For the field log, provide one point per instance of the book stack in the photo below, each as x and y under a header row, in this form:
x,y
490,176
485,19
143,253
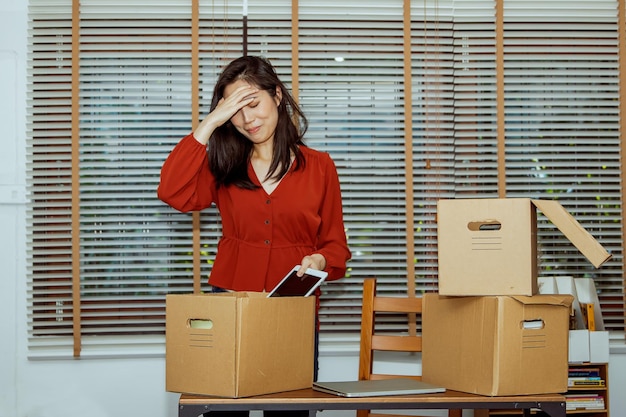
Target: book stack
x,y
584,402
584,377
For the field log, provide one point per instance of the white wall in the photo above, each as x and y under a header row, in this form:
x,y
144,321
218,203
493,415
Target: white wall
x,y
12,89
95,388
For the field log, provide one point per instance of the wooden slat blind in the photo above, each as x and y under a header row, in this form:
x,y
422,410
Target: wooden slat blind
x,y
414,100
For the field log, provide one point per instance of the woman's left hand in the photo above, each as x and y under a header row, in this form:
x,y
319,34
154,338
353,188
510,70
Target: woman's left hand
x,y
314,261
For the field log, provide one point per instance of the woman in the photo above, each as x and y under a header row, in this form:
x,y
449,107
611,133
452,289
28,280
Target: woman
x,y
279,200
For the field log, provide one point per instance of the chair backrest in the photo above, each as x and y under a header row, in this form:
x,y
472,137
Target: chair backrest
x,y
372,342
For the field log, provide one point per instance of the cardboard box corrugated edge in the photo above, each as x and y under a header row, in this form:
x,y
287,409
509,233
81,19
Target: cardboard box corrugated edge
x,y
573,230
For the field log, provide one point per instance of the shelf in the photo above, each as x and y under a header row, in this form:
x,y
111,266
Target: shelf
x,y
603,391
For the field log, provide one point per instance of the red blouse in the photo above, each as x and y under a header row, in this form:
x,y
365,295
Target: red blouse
x,y
263,236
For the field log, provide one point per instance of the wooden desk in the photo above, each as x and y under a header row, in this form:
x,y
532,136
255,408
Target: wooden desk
x,y
308,399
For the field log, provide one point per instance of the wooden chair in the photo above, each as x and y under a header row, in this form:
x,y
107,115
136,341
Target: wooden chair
x,y
371,342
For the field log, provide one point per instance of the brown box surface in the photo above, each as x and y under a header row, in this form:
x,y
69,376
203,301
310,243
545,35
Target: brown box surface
x,y
488,246
496,345
239,344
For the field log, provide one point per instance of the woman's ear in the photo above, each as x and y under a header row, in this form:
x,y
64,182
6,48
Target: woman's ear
x,y
278,97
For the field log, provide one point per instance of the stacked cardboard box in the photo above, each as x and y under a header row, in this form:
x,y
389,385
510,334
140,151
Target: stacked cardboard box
x,y
488,331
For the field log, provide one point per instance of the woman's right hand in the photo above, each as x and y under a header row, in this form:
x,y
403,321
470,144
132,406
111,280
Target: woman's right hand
x,y
226,108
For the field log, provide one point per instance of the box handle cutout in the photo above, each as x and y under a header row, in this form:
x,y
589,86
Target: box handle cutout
x,y
533,324
478,226
205,324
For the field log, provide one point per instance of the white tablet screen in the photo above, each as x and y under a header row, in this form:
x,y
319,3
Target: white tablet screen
x,y
293,285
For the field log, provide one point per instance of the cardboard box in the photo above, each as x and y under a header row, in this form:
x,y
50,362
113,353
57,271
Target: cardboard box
x,y
239,344
496,345
489,246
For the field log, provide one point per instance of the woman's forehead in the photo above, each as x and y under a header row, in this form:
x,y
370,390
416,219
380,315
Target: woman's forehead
x,y
228,90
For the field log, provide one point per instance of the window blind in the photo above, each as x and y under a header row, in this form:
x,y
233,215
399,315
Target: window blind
x,y
352,90
432,113
563,132
134,88
561,129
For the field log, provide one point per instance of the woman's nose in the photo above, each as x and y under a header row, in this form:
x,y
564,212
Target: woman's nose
x,y
247,114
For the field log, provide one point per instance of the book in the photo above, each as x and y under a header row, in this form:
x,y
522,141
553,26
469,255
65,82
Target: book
x,y
585,382
586,401
584,406
584,372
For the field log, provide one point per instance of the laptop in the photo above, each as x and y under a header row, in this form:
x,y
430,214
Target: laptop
x,y
378,387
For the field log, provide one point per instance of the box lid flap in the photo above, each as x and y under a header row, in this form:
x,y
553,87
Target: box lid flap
x,y
573,230
551,299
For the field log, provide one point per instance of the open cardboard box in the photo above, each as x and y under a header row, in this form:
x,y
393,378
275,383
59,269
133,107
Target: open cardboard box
x,y
489,246
496,345
238,344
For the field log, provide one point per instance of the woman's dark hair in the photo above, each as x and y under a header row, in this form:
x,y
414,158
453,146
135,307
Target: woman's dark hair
x,y
230,151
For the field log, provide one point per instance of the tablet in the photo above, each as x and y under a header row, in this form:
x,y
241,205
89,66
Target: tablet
x,y
294,286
